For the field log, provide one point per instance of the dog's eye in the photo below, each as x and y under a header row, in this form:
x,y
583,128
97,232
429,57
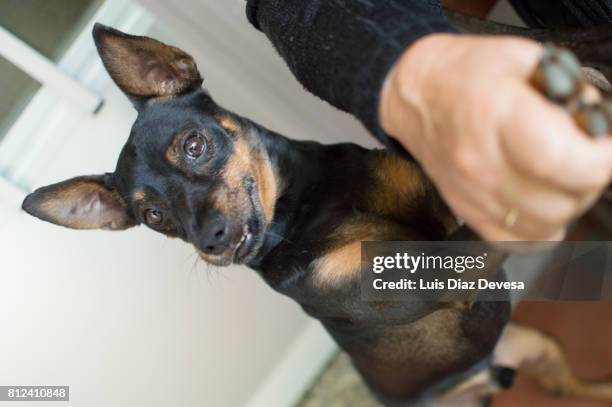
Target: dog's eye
x,y
153,217
195,146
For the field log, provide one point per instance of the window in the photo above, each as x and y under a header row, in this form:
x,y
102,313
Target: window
x,y
17,90
48,26
50,72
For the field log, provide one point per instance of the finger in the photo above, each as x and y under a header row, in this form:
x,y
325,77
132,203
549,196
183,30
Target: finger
x,y
495,233
466,197
541,140
480,211
489,195
520,55
485,212
541,210
586,201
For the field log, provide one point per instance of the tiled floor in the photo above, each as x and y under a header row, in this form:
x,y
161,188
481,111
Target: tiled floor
x,y
339,386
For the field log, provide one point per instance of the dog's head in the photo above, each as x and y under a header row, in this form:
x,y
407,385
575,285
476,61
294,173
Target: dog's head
x,y
189,169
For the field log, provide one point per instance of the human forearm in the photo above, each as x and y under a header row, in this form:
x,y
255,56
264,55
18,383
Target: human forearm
x,y
342,50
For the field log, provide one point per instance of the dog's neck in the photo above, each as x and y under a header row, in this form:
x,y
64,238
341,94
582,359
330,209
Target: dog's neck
x,y
322,188
305,171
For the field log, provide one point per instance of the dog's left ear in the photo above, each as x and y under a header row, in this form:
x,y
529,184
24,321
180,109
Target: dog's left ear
x,y
89,202
145,68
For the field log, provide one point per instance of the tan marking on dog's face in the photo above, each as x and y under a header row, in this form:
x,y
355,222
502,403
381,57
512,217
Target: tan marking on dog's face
x,y
232,198
215,260
174,150
245,161
267,186
239,165
229,124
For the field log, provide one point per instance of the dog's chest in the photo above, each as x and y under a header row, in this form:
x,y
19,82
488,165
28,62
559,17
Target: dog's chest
x,y
318,264
325,278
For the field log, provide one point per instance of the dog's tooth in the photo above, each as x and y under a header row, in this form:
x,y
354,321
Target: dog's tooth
x,y
242,239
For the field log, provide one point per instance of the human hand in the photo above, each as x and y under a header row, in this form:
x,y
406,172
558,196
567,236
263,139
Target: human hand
x,y
508,162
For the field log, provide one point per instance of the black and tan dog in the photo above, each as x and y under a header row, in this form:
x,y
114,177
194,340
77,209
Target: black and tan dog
x,y
294,211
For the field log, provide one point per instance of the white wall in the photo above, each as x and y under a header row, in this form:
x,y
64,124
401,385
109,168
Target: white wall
x,y
130,318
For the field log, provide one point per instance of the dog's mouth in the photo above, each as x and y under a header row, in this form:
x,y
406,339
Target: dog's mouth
x,y
252,237
248,244
244,249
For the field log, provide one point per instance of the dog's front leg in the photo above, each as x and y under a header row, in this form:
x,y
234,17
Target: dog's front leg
x,y
541,357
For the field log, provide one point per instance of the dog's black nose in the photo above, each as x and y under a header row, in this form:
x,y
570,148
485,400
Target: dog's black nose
x,y
214,238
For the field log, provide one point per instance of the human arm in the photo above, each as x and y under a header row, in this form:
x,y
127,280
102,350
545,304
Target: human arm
x,y
508,162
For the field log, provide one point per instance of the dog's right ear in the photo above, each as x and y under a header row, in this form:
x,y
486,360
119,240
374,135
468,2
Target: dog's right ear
x,y
89,202
145,68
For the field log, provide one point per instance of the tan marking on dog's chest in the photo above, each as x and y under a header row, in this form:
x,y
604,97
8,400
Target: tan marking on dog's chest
x,y
392,202
338,266
398,185
402,191
341,264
